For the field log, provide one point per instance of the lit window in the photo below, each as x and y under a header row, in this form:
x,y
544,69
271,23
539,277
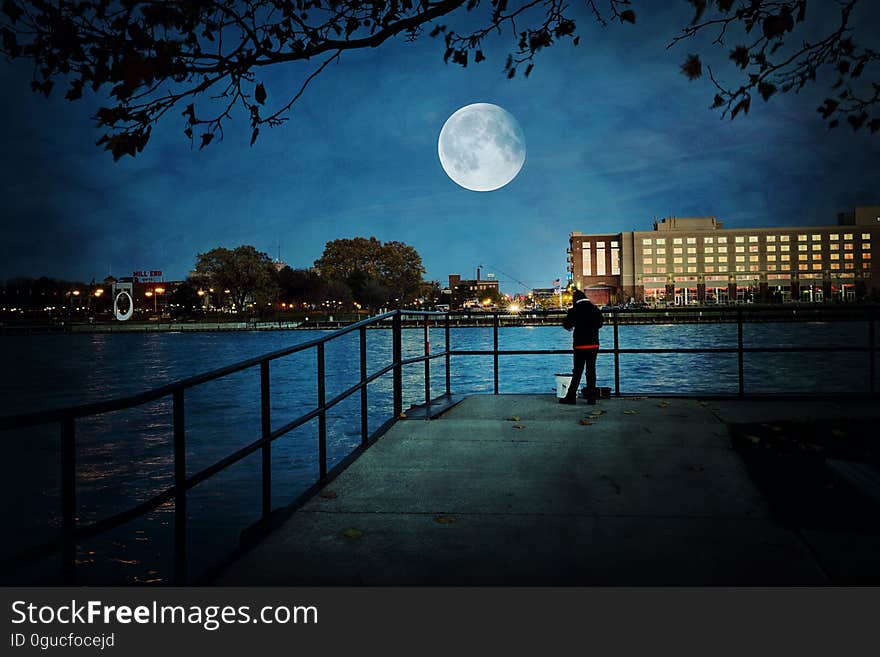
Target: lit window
x,y
866,236
771,238
648,261
833,237
754,268
740,267
771,248
848,265
661,261
661,251
771,267
847,236
817,247
803,267
676,240
802,238
692,249
708,240
866,246
785,247
817,256
679,270
647,241
722,249
817,265
815,238
835,247
866,256
753,238
785,257
741,258
722,258
614,245
783,238
740,249
835,265
848,246
692,240
771,258
709,249
692,270
866,265
722,240
677,261
835,256
847,256
710,268
802,247
753,258
710,258
649,270
739,238
753,248
660,241
646,251
677,250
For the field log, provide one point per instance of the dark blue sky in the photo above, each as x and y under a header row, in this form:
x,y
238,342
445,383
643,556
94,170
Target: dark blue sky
x,y
615,137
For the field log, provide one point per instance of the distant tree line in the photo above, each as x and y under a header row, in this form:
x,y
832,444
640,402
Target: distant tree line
x,y
351,274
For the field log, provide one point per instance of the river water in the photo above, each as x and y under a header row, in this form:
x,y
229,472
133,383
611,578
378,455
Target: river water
x,y
126,457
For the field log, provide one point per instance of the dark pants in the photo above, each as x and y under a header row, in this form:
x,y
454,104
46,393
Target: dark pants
x,y
583,358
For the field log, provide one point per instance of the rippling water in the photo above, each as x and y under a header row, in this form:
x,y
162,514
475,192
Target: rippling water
x,y
125,457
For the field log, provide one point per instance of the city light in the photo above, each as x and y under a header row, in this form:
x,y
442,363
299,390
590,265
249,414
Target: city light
x,y
513,308
148,293
76,293
99,292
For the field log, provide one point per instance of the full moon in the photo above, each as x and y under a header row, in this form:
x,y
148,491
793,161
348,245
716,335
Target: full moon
x,y
481,147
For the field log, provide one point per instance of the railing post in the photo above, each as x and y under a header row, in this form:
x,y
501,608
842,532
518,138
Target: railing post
x,y
68,500
322,415
872,354
180,557
427,338
397,355
616,357
265,411
739,351
495,349
448,368
364,428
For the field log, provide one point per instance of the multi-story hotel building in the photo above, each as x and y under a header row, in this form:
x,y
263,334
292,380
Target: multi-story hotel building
x,y
686,260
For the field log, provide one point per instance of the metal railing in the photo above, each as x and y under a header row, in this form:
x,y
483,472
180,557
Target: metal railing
x,y
72,532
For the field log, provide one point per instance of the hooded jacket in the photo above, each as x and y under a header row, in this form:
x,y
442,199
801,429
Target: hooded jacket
x,y
586,320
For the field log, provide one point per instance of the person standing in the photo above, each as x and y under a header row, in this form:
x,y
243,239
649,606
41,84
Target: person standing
x,y
586,320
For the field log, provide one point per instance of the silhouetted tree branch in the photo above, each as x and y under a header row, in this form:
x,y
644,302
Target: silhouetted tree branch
x,y
773,60
205,58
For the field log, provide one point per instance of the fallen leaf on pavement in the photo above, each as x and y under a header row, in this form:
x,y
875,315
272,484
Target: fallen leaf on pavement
x,y
445,520
586,422
630,412
351,532
519,426
329,495
513,418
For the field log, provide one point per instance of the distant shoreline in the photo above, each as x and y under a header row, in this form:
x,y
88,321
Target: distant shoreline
x,y
688,315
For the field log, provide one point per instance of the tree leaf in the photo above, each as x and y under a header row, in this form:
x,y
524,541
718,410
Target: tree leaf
x,y
628,16
692,67
206,139
260,94
254,135
766,90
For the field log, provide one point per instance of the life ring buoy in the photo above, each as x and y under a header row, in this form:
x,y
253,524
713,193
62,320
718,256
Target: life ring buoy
x,y
129,312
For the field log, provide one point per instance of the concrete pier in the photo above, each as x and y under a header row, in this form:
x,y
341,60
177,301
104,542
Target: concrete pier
x,y
520,490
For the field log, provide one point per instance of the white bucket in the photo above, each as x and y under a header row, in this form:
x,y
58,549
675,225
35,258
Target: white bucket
x,y
562,382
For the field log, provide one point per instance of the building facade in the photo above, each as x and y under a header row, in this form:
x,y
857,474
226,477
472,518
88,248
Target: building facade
x,y
690,260
471,291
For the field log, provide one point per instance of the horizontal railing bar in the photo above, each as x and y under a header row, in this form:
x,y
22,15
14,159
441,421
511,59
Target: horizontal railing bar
x,y
683,350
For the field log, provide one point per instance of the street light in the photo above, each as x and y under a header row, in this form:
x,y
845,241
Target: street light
x,y
157,291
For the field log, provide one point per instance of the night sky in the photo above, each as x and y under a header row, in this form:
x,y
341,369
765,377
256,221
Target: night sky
x,y
615,137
